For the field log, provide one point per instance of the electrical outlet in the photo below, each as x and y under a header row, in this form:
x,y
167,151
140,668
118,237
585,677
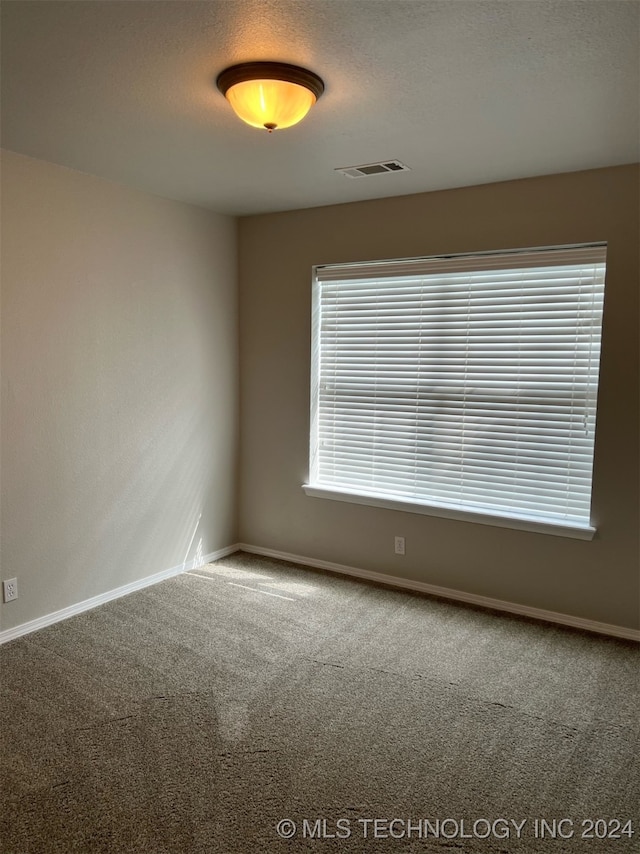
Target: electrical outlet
x,y
10,589
399,545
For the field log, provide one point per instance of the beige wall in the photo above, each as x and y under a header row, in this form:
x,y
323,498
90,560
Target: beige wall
x,y
596,580
120,378
119,385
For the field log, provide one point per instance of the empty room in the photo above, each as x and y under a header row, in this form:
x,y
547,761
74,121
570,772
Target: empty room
x,y
320,426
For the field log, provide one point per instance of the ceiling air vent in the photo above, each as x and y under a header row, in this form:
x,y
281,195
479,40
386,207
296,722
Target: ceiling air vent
x,y
373,169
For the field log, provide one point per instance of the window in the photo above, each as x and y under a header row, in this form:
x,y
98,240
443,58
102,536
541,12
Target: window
x,y
460,386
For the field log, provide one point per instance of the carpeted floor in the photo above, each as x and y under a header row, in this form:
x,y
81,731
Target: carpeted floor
x,y
195,715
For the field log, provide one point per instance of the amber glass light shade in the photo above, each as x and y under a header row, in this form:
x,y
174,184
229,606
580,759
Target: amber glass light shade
x,y
270,103
270,95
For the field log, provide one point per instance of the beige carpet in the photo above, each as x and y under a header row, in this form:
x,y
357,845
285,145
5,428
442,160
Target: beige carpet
x,y
196,715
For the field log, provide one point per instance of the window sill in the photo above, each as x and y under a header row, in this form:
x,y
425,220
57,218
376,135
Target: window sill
x,y
445,512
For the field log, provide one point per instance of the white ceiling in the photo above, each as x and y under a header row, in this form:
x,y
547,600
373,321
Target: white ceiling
x,y
462,91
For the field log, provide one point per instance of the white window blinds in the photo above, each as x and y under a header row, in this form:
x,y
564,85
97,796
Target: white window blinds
x,y
464,383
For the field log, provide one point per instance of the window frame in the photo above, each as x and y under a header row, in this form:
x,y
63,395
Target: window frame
x,y
519,521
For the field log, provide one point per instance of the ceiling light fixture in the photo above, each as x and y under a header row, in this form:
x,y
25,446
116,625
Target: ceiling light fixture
x,y
271,95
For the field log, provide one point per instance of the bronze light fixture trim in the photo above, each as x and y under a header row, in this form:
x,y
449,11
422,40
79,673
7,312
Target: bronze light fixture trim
x,y
271,95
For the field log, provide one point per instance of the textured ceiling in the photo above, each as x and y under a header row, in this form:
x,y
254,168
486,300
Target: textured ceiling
x,y
462,91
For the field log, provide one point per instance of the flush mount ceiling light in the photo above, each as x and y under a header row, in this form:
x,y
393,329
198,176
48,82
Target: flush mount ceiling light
x,y
271,95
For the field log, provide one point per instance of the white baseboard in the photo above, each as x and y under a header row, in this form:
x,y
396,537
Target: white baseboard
x,y
448,593
378,577
72,610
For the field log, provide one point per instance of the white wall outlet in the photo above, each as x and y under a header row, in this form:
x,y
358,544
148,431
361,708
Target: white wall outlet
x,y
399,545
10,589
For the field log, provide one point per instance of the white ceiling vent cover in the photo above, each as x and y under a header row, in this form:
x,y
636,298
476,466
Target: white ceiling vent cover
x,y
368,169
